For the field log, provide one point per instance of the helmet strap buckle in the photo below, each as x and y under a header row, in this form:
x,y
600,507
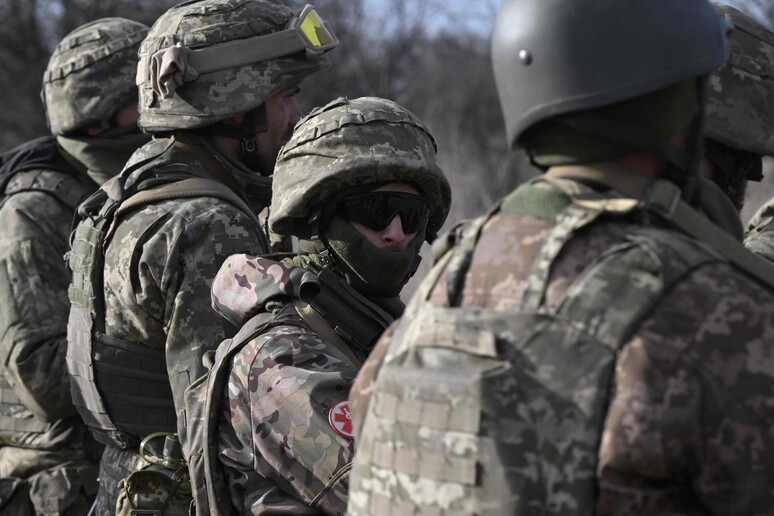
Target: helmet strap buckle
x,y
248,143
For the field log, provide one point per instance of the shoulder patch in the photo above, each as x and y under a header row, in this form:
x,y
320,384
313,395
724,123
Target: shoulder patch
x,y
340,419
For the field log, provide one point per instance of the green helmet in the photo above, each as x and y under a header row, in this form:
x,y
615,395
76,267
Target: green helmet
x,y
91,74
554,57
205,60
350,143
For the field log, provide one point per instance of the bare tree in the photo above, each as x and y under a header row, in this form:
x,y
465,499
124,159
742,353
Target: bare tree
x,y
29,32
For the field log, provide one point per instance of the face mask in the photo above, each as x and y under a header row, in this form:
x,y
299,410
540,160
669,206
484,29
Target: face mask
x,y
372,270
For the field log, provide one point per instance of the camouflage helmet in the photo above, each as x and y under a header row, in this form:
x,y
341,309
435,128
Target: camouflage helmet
x,y
740,106
91,74
553,57
350,143
196,67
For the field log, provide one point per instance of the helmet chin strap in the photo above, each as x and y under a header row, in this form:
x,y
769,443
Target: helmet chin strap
x,y
253,122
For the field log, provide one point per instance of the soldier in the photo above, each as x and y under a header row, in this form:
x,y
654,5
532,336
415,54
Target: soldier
x,y
740,116
47,457
593,344
745,116
217,84
358,178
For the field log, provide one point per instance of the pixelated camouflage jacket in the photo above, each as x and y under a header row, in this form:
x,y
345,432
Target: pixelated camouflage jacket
x,y
688,428
161,259
760,232
36,213
280,452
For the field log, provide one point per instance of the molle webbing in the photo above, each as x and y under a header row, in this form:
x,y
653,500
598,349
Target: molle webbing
x,y
134,384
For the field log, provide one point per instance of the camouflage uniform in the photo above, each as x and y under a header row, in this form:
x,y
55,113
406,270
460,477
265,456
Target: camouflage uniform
x,y
582,348
43,441
284,440
160,257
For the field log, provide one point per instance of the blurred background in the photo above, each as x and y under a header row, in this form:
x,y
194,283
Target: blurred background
x,y
431,56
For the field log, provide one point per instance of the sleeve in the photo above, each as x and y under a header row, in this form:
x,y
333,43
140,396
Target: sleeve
x,y
690,423
33,303
287,445
192,326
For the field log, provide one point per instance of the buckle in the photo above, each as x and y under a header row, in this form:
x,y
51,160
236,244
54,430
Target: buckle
x,y
662,197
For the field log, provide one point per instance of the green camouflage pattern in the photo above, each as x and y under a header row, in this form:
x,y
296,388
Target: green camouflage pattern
x,y
213,96
277,448
155,487
58,487
33,295
91,74
740,110
349,143
160,262
468,415
43,444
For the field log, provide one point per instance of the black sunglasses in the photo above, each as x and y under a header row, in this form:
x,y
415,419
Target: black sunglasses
x,y
375,210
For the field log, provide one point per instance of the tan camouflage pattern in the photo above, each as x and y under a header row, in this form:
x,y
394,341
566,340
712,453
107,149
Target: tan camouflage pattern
x,y
91,73
217,95
688,427
740,111
41,439
159,265
349,143
279,452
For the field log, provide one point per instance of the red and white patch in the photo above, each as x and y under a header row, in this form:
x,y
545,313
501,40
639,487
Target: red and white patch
x,y
340,419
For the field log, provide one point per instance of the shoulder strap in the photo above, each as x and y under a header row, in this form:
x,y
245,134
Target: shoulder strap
x,y
62,187
321,327
188,188
664,199
185,189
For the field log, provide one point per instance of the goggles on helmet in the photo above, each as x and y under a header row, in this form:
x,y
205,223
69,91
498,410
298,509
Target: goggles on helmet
x,y
375,210
306,32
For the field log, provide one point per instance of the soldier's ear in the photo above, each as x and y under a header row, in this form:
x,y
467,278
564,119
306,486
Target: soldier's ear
x,y
97,128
